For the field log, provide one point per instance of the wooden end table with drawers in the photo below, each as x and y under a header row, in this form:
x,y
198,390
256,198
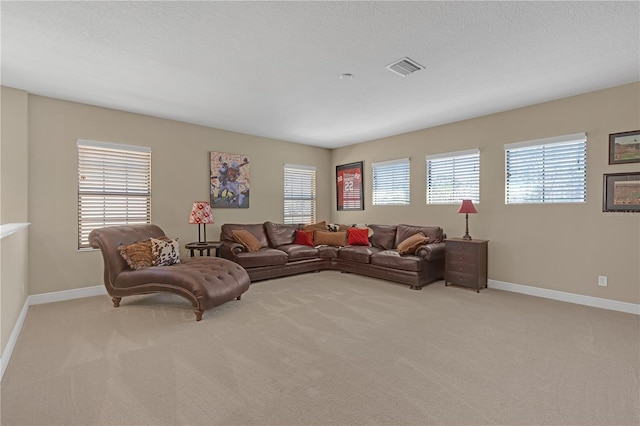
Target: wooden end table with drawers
x,y
466,263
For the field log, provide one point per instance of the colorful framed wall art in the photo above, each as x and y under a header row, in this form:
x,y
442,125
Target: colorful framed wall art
x,y
229,180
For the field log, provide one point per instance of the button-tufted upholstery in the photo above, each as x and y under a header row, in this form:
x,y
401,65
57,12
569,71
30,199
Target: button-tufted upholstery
x,y
204,281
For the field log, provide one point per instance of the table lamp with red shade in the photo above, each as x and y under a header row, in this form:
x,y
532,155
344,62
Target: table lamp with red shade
x,y
467,207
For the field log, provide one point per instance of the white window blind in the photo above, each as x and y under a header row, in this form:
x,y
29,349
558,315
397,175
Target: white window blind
x,y
552,170
114,186
299,194
453,177
391,182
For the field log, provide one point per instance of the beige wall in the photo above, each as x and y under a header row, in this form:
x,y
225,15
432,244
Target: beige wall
x,y
180,170
560,247
14,207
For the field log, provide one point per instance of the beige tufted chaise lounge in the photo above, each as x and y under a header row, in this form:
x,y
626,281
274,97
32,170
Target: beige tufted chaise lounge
x,y
204,281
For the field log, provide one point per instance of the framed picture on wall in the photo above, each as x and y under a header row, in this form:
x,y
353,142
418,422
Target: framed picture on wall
x,y
349,187
621,192
229,180
624,147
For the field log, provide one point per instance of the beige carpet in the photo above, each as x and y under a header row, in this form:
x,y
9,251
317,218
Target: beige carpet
x,y
326,348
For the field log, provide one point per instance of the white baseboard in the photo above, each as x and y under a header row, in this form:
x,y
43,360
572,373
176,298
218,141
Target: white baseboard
x,y
59,296
614,305
38,299
8,350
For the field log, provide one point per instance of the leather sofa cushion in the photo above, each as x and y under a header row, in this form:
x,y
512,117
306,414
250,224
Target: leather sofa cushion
x,y
262,257
257,229
360,254
299,252
280,234
384,236
194,274
434,233
393,259
328,252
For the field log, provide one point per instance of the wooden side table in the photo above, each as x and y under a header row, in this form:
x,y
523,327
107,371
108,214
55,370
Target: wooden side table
x,y
466,263
201,247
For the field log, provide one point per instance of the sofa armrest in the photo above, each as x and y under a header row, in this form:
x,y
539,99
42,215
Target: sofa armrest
x,y
431,251
230,249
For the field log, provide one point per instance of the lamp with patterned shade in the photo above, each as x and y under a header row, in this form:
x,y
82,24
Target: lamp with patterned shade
x,y
467,207
201,214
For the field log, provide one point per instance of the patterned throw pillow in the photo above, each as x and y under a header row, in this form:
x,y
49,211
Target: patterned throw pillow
x,y
138,255
411,244
247,239
165,253
304,238
358,236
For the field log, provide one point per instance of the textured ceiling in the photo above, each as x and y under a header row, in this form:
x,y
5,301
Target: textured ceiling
x,y
271,68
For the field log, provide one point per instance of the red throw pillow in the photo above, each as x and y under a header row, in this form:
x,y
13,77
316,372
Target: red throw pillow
x,y
304,237
358,236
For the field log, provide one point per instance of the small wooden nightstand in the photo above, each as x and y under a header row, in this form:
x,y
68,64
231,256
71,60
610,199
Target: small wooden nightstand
x,y
201,247
466,263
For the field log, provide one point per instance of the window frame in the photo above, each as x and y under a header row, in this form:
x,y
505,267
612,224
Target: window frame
x,y
287,218
405,198
107,172
458,191
553,156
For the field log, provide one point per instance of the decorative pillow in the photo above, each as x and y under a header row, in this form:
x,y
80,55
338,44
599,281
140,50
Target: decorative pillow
x,y
304,238
329,238
363,226
165,253
316,226
334,227
358,237
138,255
247,239
410,245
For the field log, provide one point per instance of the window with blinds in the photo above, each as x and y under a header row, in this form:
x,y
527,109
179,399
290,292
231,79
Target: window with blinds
x,y
453,177
299,194
552,170
114,186
391,182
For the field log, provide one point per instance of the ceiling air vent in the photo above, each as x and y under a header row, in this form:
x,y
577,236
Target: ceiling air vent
x,y
404,67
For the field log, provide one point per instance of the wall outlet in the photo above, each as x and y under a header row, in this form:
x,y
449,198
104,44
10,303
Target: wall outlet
x,y
602,281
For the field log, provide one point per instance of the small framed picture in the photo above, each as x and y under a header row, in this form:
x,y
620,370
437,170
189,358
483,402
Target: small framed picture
x,y
624,147
621,192
349,191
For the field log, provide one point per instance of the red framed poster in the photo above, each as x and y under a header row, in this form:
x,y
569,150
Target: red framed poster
x,y
349,186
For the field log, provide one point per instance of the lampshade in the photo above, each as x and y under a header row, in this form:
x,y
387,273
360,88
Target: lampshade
x,y
467,207
201,213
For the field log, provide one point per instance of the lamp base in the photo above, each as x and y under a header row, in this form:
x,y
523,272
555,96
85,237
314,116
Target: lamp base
x,y
466,228
204,226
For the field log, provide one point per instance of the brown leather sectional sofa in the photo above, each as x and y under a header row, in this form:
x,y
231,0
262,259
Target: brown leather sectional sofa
x,y
280,256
